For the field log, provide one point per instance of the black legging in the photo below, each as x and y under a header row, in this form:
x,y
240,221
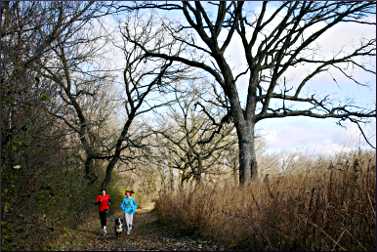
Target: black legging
x,y
103,218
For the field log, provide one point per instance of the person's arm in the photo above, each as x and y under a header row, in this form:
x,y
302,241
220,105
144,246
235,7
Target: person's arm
x,y
135,205
122,205
98,201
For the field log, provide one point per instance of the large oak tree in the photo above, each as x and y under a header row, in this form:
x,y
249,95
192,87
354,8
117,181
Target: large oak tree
x,y
276,39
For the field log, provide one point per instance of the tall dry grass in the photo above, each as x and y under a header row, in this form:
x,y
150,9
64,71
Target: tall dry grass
x,y
329,207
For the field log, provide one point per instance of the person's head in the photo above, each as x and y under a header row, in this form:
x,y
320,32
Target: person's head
x,y
129,193
103,192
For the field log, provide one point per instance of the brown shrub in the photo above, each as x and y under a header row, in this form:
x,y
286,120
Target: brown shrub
x,y
329,207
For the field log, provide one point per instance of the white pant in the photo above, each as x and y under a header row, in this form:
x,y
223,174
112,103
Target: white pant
x,y
129,218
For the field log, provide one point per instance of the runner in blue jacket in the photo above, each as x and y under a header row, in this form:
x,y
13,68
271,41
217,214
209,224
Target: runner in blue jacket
x,y
128,206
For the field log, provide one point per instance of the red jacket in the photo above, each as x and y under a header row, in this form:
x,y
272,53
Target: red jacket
x,y
103,202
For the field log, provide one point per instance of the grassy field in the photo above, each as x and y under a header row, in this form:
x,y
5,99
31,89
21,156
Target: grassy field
x,y
329,206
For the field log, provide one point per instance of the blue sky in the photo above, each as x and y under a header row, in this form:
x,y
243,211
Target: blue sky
x,y
302,134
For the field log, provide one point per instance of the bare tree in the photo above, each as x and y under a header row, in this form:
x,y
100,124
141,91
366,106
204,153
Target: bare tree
x,y
26,33
82,87
33,144
185,130
142,77
30,32
273,44
81,103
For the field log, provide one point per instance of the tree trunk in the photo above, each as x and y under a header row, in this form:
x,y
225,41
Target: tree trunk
x,y
235,172
198,172
171,177
118,150
108,175
247,156
181,183
90,174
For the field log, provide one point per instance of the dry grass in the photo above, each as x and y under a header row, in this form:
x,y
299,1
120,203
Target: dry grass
x,y
330,207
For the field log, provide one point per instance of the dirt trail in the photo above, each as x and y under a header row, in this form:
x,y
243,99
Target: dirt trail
x,y
148,235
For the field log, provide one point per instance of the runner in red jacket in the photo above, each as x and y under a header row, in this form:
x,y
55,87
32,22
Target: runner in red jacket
x,y
103,201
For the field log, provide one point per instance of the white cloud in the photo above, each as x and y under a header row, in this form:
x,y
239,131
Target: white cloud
x,y
312,136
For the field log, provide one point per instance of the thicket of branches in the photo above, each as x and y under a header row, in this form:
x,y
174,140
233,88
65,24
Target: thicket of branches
x,y
69,121
274,41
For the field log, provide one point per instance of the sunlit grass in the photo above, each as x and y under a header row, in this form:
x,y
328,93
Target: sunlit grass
x,y
331,206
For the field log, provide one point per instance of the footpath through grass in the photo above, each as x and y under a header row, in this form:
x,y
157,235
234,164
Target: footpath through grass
x,y
148,234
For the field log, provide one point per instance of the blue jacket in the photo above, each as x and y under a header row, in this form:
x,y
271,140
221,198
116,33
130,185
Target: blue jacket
x,y
128,205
